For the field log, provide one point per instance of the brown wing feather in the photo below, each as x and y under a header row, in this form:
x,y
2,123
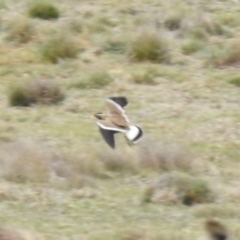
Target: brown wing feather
x,y
115,116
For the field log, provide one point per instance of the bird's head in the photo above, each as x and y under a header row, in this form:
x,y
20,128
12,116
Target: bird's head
x,y
99,115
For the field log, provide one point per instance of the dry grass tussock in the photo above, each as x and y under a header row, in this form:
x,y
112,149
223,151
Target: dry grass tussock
x,y
35,92
19,29
179,188
146,76
150,46
164,157
225,54
61,45
7,234
43,9
24,161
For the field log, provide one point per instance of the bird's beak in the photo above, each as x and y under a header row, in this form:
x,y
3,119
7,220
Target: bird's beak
x,y
91,117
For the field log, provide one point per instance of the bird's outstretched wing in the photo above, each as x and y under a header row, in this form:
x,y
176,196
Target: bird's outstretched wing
x,y
116,111
108,136
122,101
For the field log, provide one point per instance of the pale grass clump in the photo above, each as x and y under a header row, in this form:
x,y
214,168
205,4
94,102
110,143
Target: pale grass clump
x,y
235,80
114,44
97,79
100,24
164,157
174,20
35,92
202,27
23,161
10,234
150,46
179,188
191,45
77,168
43,9
225,54
146,76
19,29
60,46
115,161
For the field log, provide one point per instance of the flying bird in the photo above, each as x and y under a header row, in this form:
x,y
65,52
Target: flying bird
x,y
115,120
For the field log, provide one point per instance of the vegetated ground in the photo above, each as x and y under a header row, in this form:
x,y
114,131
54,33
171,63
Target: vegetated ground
x,y
58,177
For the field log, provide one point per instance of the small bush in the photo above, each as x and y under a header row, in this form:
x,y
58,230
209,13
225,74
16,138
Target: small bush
x,y
59,46
224,54
44,10
40,91
117,162
19,29
75,25
191,46
165,157
25,161
98,79
149,46
173,22
22,162
145,77
114,45
235,81
182,188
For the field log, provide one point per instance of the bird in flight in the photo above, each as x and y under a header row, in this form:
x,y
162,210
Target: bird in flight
x,y
115,120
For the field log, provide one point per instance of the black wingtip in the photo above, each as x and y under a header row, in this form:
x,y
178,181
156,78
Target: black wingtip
x,y
108,136
122,101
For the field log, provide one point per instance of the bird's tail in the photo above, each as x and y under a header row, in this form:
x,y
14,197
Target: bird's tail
x,y
134,134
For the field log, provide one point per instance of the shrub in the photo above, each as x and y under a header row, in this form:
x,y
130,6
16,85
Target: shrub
x,y
39,91
224,54
145,77
181,188
165,157
149,46
44,10
59,46
116,161
22,161
173,21
114,45
19,29
191,46
235,81
25,161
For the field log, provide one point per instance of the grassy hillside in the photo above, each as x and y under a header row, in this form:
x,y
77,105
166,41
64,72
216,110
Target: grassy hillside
x,y
178,64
